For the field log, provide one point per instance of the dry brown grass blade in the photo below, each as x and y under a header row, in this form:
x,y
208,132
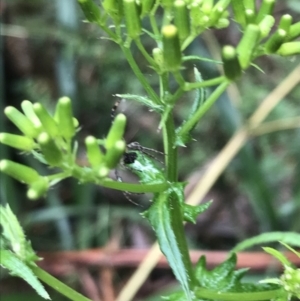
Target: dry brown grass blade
x,y
217,167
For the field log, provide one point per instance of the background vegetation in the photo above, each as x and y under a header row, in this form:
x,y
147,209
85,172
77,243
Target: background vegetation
x,y
48,52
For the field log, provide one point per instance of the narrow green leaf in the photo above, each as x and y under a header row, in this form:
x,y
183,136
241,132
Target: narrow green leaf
x,y
291,238
165,216
18,268
142,99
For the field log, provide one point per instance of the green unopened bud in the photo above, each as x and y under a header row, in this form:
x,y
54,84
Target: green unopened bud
x,y
116,131
275,41
19,172
181,19
114,154
158,56
290,48
171,48
207,6
65,117
250,16
294,32
266,25
21,122
38,189
249,4
222,23
232,68
266,8
247,45
114,8
216,14
239,12
132,18
50,150
198,19
103,172
48,122
94,154
20,142
91,10
285,22
147,5
27,108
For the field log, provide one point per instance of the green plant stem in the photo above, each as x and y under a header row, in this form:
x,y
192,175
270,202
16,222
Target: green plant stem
x,y
206,83
58,285
135,68
251,296
186,128
170,149
135,188
146,55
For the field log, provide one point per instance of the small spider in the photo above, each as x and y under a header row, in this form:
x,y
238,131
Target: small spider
x,y
131,155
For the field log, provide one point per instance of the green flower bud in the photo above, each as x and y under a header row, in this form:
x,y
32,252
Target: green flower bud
x,y
250,16
21,122
20,142
294,32
216,14
239,12
285,22
181,19
65,117
27,108
266,25
132,18
198,18
249,4
50,150
266,8
290,48
232,68
103,172
207,6
48,122
171,48
158,56
38,189
247,45
114,8
114,154
147,6
94,154
91,10
116,131
19,172
222,23
275,41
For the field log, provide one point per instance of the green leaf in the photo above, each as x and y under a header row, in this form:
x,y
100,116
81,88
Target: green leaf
x,y
165,216
291,238
224,278
190,212
13,236
18,268
12,231
277,255
198,100
144,100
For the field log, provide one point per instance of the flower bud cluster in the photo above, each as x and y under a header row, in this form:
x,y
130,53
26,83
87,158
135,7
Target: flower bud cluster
x,y
50,138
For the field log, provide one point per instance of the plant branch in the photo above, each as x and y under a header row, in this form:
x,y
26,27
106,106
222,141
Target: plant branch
x,y
186,128
58,285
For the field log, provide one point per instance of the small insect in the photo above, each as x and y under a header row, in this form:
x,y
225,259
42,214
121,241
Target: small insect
x,y
137,160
